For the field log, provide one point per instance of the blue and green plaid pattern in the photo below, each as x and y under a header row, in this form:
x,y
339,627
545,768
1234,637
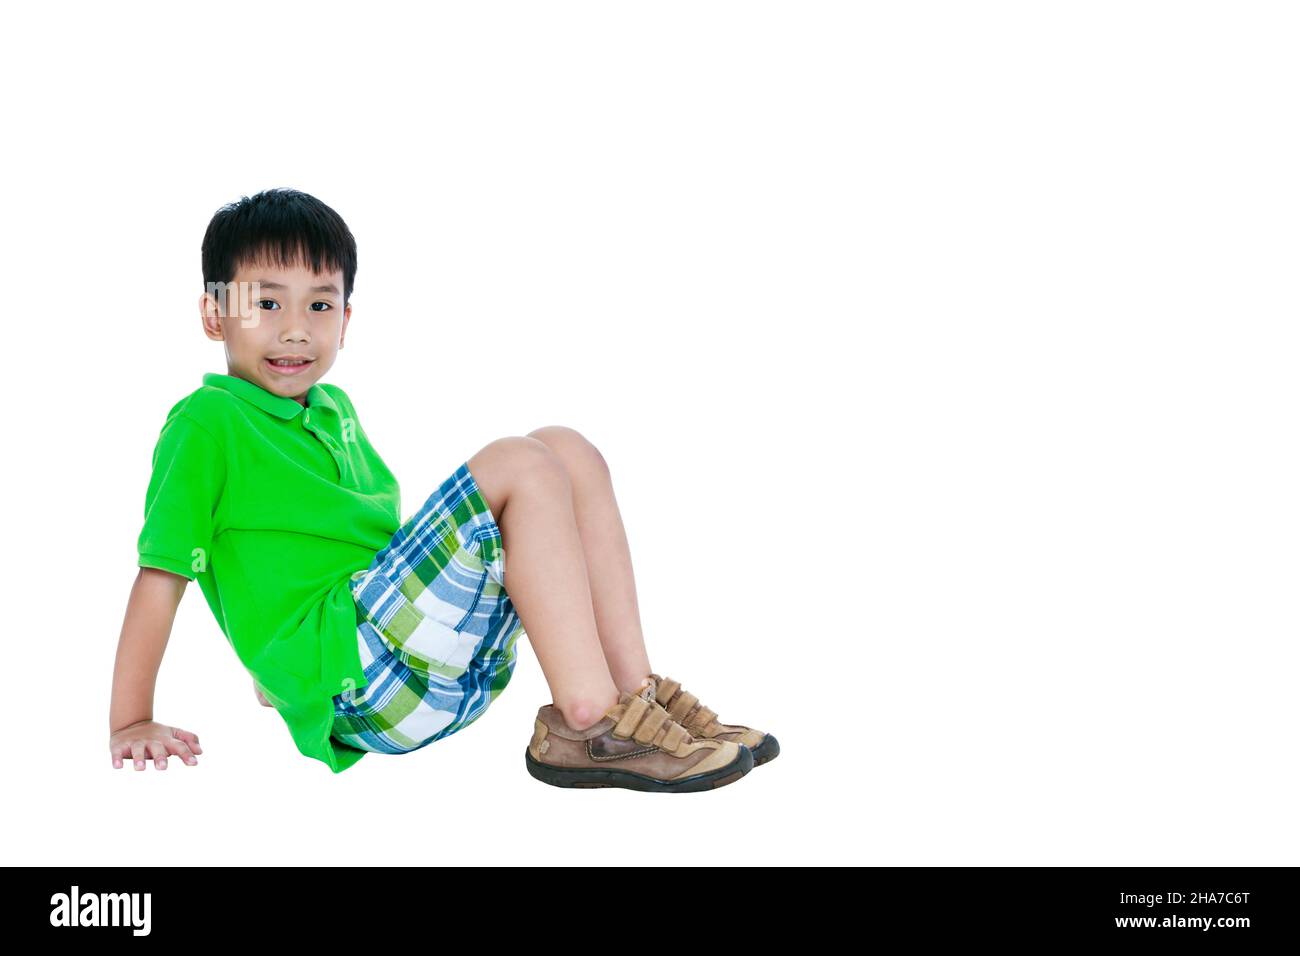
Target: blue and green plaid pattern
x,y
435,626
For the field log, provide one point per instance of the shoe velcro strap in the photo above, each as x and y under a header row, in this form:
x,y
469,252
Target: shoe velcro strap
x,y
673,738
649,723
647,730
682,706
636,708
667,687
686,709
702,720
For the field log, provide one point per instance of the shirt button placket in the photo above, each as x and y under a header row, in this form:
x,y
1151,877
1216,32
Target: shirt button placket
x,y
330,445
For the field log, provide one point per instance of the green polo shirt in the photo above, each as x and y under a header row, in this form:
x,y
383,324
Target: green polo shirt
x,y
272,507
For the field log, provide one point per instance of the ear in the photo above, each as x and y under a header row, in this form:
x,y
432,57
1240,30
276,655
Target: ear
x,y
347,316
210,315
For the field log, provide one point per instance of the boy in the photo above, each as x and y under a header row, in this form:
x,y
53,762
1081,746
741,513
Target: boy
x,y
365,633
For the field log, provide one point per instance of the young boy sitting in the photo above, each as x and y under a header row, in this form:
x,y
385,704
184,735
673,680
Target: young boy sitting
x,y
365,633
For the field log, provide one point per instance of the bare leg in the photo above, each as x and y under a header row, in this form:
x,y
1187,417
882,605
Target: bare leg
x,y
530,494
609,560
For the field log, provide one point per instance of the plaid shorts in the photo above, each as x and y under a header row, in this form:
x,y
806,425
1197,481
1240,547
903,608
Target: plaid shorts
x,y
435,626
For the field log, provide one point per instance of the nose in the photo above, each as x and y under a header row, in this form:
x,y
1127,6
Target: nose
x,y
295,329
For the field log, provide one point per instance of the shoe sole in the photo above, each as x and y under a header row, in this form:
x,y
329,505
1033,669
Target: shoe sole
x,y
767,750
579,778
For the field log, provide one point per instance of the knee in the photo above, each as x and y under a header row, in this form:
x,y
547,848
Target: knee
x,y
504,466
571,444
534,462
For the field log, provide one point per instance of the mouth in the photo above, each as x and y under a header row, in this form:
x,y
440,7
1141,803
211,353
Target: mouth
x,y
291,365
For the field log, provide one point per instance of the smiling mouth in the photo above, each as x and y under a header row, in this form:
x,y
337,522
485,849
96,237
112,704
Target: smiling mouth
x,y
288,366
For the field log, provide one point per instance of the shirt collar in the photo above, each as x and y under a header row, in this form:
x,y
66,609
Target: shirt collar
x,y
278,405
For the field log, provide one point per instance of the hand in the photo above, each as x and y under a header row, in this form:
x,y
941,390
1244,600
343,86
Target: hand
x,y
147,739
260,699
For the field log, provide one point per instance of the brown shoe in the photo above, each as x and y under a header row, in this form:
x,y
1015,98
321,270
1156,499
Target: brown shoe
x,y
702,723
636,745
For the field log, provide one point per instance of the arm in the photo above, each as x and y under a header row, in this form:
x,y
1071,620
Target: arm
x,y
150,613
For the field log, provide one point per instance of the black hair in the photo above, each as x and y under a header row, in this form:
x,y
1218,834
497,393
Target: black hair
x,y
283,226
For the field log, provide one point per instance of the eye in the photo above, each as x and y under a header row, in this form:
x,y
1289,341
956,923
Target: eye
x,y
326,304
273,304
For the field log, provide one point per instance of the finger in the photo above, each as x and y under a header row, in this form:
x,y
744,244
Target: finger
x,y
117,756
158,750
137,753
181,750
190,738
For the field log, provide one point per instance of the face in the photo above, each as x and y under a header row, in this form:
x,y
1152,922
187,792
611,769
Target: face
x,y
291,314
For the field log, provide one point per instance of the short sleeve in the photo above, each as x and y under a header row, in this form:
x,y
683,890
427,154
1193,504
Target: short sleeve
x,y
189,473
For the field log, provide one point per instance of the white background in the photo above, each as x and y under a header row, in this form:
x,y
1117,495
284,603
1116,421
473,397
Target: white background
x,y
943,353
